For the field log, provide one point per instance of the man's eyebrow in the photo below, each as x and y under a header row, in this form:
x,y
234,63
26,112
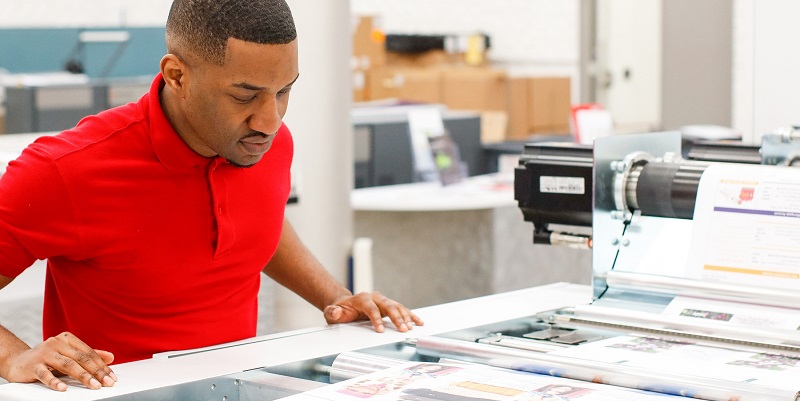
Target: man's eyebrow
x,y
251,87
293,81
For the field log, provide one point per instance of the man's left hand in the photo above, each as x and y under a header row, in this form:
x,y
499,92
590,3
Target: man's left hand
x,y
373,306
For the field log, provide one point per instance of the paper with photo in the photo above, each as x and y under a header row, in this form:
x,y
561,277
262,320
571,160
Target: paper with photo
x,y
735,313
417,381
774,370
746,226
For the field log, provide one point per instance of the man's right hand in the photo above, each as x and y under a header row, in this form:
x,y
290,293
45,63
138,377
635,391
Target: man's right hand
x,y
64,354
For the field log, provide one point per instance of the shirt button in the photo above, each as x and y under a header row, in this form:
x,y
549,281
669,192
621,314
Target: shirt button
x,y
220,210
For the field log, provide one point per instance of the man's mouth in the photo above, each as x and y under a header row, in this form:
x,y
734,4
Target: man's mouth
x,y
257,144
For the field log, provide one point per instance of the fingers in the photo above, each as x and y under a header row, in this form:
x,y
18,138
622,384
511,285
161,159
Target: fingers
x,y
394,311
407,319
333,313
401,316
372,306
47,378
106,356
71,356
416,319
371,310
107,359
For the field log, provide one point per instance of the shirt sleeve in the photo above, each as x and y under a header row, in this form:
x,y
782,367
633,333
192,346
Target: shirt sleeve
x,y
36,212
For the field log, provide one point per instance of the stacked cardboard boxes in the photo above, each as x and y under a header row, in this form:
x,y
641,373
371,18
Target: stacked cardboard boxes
x,y
538,105
368,55
512,108
405,83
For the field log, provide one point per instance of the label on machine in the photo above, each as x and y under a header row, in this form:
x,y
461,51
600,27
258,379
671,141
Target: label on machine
x,y
562,185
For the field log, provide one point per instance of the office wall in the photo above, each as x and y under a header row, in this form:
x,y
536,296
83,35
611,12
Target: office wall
x,y
319,116
529,37
697,63
775,60
766,85
82,13
538,31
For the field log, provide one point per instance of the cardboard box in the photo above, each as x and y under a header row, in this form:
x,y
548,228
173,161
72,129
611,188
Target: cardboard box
x,y
405,83
517,95
549,105
431,58
359,82
538,105
368,44
494,125
474,88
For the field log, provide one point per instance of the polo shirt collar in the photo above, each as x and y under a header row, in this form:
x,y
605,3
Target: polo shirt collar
x,y
169,148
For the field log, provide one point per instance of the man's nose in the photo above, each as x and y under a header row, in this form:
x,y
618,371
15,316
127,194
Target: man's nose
x,y
267,118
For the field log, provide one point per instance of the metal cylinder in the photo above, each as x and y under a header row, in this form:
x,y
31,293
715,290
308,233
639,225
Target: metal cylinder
x,y
353,364
676,286
664,189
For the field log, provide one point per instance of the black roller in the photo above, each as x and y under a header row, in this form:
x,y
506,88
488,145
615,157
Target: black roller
x,y
667,189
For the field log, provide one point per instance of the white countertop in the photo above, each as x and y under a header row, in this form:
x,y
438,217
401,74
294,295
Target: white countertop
x,y
12,145
31,282
312,343
479,192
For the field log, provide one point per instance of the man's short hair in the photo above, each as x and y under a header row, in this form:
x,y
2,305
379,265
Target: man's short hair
x,y
202,27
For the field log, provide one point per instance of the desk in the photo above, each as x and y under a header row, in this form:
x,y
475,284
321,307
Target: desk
x,y
159,374
435,244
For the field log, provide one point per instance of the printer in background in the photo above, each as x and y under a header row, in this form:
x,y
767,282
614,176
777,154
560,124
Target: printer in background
x,y
383,149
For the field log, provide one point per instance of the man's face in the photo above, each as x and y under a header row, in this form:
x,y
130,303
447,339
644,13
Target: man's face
x,y
428,368
235,110
559,390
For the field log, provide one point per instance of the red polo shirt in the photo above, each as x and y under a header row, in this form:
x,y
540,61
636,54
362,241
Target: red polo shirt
x,y
150,246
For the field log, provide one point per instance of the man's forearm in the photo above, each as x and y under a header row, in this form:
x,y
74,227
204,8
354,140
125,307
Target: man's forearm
x,y
294,267
10,346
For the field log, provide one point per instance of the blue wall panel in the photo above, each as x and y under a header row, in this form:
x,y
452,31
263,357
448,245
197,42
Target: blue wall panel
x,y
45,50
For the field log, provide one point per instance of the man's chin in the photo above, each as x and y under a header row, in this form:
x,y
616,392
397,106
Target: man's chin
x,y
240,164
245,161
247,154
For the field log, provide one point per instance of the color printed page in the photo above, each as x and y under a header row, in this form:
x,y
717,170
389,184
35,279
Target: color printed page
x,y
432,381
760,317
747,226
773,370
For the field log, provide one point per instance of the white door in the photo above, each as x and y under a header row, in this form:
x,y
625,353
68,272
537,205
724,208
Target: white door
x,y
629,63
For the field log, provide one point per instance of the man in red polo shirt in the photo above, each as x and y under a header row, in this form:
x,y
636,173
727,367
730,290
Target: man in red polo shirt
x,y
157,217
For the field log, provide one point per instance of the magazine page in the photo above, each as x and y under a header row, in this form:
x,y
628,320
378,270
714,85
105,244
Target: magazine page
x,y
769,369
417,381
762,317
746,226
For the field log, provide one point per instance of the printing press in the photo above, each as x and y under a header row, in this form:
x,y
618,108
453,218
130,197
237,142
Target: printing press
x,y
677,307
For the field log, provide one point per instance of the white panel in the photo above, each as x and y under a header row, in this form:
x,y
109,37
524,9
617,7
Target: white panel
x,y
631,40
64,98
776,90
742,69
319,117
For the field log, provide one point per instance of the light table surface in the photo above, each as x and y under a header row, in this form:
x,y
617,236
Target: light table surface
x,y
307,344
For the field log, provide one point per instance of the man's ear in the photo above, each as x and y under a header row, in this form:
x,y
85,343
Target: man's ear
x,y
176,73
